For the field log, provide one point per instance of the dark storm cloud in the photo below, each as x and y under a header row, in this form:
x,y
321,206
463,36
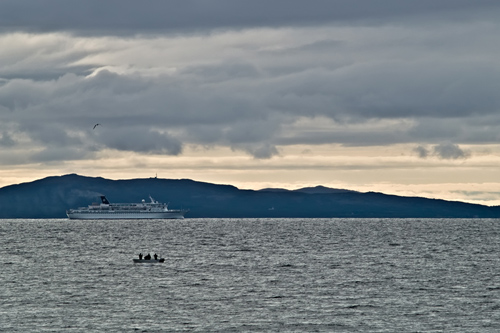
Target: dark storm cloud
x,y
389,89
58,154
51,134
136,114
131,16
421,151
262,152
222,72
139,140
447,151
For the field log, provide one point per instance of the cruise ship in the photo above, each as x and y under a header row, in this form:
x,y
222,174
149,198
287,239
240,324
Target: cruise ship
x,y
144,210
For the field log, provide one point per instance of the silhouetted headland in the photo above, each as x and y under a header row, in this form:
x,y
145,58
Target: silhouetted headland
x,y
52,196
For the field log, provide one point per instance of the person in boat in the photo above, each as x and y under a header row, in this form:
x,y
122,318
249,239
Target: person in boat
x,y
148,257
156,256
140,256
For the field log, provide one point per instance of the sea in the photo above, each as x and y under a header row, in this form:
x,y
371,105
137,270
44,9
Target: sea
x,y
250,275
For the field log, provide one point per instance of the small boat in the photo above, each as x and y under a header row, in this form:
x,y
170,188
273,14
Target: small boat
x,y
149,261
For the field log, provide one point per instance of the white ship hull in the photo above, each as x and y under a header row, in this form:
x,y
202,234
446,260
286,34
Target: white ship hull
x,y
124,215
109,211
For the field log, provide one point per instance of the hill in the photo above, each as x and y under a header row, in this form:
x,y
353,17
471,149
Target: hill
x,y
52,196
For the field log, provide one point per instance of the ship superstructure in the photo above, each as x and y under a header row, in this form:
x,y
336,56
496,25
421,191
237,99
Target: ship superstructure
x,y
142,210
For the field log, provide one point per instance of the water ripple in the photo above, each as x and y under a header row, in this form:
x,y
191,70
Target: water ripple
x,y
231,275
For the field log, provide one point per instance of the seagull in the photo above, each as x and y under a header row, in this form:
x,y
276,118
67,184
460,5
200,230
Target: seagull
x,y
96,126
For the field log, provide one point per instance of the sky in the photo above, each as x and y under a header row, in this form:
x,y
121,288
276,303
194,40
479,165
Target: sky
x,y
394,96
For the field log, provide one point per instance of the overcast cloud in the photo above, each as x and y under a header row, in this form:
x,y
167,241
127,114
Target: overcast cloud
x,y
252,76
129,17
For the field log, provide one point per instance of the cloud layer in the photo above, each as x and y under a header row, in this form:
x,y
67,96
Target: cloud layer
x,y
244,88
129,17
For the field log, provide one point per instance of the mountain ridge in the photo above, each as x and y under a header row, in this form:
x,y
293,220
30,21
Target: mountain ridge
x,y
50,197
310,190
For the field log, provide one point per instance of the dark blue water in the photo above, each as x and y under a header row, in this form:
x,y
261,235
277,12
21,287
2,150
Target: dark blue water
x,y
226,275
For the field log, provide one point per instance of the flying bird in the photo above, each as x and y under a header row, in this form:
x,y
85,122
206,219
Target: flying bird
x,y
96,126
